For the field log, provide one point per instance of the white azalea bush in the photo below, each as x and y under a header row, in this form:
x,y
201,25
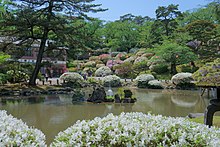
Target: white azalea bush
x,y
183,80
16,76
103,71
143,79
111,80
72,79
14,132
138,129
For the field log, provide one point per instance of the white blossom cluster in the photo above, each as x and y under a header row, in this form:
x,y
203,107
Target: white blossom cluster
x,y
71,77
103,71
138,129
113,80
144,77
14,132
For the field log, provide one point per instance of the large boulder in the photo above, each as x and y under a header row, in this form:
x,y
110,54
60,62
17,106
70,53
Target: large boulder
x,y
155,84
111,80
98,95
78,96
103,71
183,80
143,79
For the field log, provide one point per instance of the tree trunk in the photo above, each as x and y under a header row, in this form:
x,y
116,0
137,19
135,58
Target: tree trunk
x,y
34,74
166,28
173,69
37,67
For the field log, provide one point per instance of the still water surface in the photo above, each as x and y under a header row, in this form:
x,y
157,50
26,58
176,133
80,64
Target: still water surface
x,y
55,113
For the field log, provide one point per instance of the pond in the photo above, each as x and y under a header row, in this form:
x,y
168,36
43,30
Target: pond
x,y
54,113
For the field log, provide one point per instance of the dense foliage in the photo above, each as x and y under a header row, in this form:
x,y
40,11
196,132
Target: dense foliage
x,y
173,39
26,22
209,74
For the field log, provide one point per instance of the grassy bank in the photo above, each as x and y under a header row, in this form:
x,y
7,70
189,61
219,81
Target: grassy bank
x,y
216,120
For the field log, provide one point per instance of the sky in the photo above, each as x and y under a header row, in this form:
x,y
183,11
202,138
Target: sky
x,y
119,8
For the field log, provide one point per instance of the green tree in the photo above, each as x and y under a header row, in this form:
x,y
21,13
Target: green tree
x,y
166,17
3,57
93,34
216,4
206,13
139,20
205,33
121,36
175,54
39,20
144,35
165,24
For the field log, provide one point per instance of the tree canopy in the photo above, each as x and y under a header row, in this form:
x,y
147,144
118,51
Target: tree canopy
x,y
28,21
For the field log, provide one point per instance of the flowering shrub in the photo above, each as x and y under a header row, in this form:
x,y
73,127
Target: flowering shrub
x,y
94,58
182,78
99,65
103,71
14,132
16,76
90,64
143,79
140,59
121,56
124,70
72,79
104,57
130,59
138,129
155,84
140,66
111,63
111,80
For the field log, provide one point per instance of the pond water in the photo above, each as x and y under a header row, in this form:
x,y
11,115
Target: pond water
x,y
54,113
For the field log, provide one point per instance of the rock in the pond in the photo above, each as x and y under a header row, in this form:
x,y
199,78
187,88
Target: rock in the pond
x,y
98,95
78,96
128,93
117,99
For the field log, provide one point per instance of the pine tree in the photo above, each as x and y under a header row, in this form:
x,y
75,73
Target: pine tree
x,y
28,21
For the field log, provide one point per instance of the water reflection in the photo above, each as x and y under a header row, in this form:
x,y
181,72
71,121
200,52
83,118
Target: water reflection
x,y
55,113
